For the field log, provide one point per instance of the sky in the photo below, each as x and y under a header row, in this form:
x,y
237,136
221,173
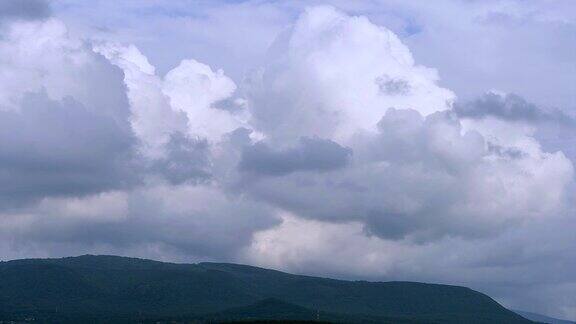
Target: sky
x,y
377,140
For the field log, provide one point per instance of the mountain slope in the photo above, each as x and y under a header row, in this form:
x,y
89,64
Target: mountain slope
x,y
542,318
136,289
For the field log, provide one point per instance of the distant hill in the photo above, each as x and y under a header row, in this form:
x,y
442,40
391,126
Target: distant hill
x,y
542,318
118,289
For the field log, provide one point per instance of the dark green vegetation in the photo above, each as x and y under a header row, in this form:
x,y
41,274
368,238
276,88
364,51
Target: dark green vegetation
x,y
116,289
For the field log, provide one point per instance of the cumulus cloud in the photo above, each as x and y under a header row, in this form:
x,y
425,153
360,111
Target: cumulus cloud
x,y
510,107
187,223
193,88
56,148
513,117
331,75
75,122
152,119
42,56
425,177
187,159
311,154
415,171
100,153
521,260
180,102
59,137
338,143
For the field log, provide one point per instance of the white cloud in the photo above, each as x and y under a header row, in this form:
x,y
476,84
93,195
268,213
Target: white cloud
x,y
153,119
415,172
193,88
40,55
331,75
180,102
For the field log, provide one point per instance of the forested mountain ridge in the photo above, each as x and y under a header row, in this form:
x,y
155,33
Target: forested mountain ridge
x,y
110,288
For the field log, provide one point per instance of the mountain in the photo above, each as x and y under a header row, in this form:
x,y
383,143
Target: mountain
x,y
542,318
118,289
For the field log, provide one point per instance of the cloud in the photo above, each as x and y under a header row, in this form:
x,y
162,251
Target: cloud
x,y
153,119
186,160
492,43
24,9
180,102
519,261
503,115
64,117
60,148
334,142
311,154
510,107
331,75
100,153
416,171
42,56
485,45
185,222
424,178
193,88
74,123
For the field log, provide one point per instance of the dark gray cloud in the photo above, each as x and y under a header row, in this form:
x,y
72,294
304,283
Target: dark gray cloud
x,y
60,148
510,107
188,222
310,154
230,105
186,160
24,9
554,128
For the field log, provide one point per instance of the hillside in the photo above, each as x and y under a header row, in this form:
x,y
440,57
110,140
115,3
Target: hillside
x,y
109,288
542,318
